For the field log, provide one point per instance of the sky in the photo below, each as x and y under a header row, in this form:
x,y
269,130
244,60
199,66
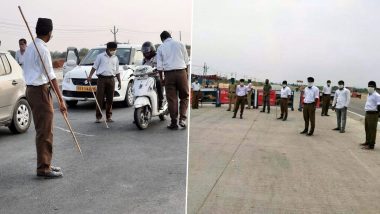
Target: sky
x,y
87,23
288,39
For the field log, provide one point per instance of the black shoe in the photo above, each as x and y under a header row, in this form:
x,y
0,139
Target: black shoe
x,y
279,118
369,147
241,117
303,132
268,112
51,174
364,144
172,126
322,115
228,109
182,123
234,116
342,131
262,111
336,129
327,115
284,119
309,134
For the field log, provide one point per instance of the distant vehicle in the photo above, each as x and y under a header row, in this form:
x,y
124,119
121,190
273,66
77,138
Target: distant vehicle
x,y
15,112
354,92
72,60
76,88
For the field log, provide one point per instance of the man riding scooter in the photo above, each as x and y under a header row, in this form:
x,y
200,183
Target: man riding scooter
x,y
149,52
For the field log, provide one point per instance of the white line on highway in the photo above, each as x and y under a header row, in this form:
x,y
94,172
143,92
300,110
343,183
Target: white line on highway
x,y
65,130
359,115
362,163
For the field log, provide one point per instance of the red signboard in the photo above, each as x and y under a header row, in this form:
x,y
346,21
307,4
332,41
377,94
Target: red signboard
x,y
272,97
223,96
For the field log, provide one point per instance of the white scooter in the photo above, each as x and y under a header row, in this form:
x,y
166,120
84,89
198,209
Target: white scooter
x,y
146,97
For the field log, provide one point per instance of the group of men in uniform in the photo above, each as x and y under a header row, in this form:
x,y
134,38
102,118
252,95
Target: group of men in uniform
x,y
171,61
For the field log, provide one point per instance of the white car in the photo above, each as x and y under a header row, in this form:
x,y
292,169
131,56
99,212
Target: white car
x,y
75,87
15,112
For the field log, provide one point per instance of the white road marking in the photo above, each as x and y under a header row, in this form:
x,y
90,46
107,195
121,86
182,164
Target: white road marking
x,y
65,130
359,115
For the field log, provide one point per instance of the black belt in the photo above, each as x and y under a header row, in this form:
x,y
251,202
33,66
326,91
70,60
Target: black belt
x,y
36,86
183,69
283,98
371,112
309,103
101,76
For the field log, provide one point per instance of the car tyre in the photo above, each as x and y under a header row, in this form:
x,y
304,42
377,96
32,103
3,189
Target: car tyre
x,y
22,117
72,103
128,100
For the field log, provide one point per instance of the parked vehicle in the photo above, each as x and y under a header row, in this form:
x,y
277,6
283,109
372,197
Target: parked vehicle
x,y
146,98
15,112
75,87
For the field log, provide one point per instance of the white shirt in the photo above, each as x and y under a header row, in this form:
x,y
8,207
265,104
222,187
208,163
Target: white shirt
x,y
196,86
373,100
341,98
326,89
171,55
285,92
249,87
310,94
106,65
241,90
33,69
20,57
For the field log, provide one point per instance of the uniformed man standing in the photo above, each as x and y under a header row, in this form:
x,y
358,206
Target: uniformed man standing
x,y
326,98
311,96
20,53
286,92
196,88
266,96
231,93
173,60
40,99
340,104
372,109
106,66
241,98
249,95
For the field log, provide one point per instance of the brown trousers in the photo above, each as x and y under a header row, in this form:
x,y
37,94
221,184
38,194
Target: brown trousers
x,y
195,101
284,107
105,88
240,101
309,115
176,86
326,104
371,128
41,103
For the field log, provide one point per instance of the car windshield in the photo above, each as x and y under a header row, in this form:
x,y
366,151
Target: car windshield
x,y
123,54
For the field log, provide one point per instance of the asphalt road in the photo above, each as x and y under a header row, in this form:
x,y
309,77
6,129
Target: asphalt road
x,y
124,170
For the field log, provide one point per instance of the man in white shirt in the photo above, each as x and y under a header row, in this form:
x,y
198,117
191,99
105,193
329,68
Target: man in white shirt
x,y
249,95
196,88
40,99
311,96
241,98
340,104
106,66
372,109
20,53
173,61
285,96
326,98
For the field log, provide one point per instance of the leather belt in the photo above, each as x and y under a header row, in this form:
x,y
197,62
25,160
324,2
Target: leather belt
x,y
101,76
371,112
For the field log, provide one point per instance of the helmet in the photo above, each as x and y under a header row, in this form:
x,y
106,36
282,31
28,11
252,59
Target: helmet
x,y
148,47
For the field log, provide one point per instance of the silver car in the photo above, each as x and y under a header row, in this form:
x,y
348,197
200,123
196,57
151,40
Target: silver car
x,y
15,112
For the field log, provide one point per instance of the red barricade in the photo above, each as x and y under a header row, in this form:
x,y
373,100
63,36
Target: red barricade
x,y
272,97
223,96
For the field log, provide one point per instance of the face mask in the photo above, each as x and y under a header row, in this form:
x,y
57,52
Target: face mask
x,y
241,84
112,53
341,86
283,86
328,84
371,90
309,84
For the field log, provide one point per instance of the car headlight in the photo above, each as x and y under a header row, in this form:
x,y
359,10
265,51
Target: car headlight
x,y
68,80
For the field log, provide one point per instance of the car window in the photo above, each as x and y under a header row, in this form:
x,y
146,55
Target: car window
x,y
123,54
5,66
138,57
2,68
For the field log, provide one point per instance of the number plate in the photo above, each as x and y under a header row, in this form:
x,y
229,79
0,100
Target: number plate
x,y
86,88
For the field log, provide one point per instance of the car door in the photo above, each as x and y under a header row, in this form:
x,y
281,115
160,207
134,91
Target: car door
x,y
7,88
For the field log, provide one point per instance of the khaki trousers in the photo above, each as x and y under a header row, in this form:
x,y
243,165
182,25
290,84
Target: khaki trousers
x,y
284,107
195,100
309,115
249,99
41,103
240,101
176,86
371,127
231,97
105,88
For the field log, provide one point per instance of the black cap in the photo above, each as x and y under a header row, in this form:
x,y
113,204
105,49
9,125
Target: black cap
x,y
310,79
372,84
44,26
111,45
284,82
164,35
241,80
341,82
328,81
